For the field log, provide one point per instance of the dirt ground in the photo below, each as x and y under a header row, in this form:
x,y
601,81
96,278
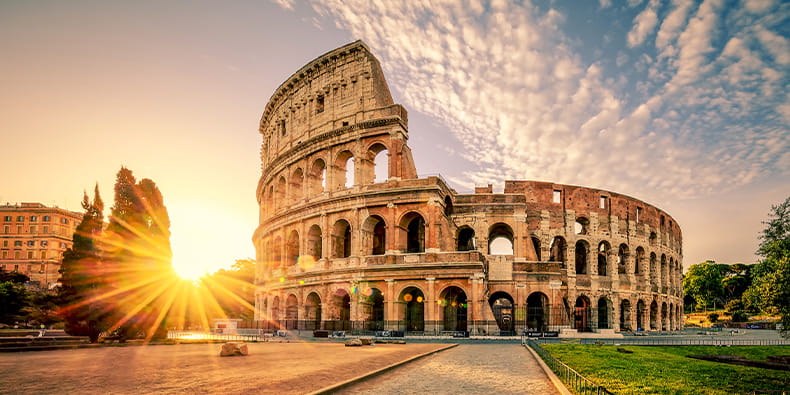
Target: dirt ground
x,y
283,368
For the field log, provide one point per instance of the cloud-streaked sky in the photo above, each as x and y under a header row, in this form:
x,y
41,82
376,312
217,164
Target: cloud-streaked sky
x,y
681,103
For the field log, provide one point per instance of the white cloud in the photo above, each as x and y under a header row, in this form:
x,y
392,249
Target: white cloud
x,y
287,4
644,24
758,6
604,3
509,85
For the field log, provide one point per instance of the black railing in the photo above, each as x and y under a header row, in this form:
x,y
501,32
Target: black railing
x,y
663,341
574,381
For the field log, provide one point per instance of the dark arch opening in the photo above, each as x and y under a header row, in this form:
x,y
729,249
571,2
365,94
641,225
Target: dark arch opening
x,y
537,311
413,302
581,316
581,257
454,308
503,309
415,233
466,239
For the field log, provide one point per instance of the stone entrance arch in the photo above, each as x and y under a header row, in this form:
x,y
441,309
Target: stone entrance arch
x,y
538,311
503,308
411,304
453,304
581,316
312,311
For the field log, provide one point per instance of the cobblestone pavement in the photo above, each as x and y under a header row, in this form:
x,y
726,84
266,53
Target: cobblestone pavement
x,y
466,369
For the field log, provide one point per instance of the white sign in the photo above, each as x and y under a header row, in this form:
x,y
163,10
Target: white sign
x,y
555,284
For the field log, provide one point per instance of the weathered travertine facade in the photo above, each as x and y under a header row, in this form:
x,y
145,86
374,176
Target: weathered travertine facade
x,y
339,248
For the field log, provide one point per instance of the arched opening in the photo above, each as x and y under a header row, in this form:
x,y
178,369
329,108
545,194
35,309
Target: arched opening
x,y
653,238
341,310
557,250
622,259
380,156
625,315
604,310
345,170
275,314
581,257
466,239
312,311
581,314
412,303
503,309
279,193
317,177
414,225
373,309
341,239
291,312
314,245
639,261
448,206
664,316
582,225
537,311
452,302
654,325
603,255
671,317
500,240
277,252
640,315
653,268
375,235
296,185
663,270
292,248
536,246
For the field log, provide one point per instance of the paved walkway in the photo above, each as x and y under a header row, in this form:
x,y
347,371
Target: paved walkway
x,y
467,369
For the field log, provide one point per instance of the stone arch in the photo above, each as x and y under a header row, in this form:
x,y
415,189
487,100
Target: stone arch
x,y
654,324
503,307
376,230
296,188
581,226
653,268
275,312
639,261
411,302
605,313
379,156
292,312
663,269
340,310
344,170
292,248
279,193
581,314
558,250
538,311
625,315
314,242
312,311
671,317
603,258
341,239
448,206
664,316
317,177
412,227
453,308
622,258
500,239
641,310
372,305
582,256
466,239
277,252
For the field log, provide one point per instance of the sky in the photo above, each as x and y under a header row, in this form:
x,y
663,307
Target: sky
x,y
683,104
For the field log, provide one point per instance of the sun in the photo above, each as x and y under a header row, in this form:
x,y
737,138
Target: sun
x,y
189,269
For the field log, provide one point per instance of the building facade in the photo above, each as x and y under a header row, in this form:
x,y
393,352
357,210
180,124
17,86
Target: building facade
x,y
33,240
351,238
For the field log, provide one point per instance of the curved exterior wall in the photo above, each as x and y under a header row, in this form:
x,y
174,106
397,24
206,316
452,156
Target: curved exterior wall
x,y
339,249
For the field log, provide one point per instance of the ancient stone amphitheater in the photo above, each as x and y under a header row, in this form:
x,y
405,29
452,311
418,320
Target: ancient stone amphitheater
x,y
350,237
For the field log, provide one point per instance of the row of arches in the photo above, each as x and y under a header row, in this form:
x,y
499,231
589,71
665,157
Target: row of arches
x,y
410,232
345,171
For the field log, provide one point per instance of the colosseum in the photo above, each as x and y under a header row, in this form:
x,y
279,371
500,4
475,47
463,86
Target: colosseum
x,y
351,238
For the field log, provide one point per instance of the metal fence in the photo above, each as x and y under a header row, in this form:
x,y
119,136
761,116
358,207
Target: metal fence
x,y
575,382
662,341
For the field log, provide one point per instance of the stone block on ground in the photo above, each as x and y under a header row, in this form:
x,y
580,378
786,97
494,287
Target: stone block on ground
x,y
366,341
353,343
233,349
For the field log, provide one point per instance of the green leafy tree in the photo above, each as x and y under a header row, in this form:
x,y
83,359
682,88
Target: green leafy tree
x,y
82,282
770,290
137,248
234,288
703,282
14,297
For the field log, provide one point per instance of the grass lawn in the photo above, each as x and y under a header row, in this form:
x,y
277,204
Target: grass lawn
x,y
667,370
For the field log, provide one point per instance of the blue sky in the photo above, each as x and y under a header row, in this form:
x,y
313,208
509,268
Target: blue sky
x,y
683,104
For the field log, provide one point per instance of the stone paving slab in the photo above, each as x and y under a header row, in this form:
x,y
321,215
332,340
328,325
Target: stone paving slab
x,y
466,369
282,368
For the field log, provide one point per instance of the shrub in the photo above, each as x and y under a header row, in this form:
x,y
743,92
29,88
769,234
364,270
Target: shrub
x,y
713,318
739,316
734,306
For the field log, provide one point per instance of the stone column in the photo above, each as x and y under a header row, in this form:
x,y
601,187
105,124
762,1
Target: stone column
x,y
430,305
389,306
